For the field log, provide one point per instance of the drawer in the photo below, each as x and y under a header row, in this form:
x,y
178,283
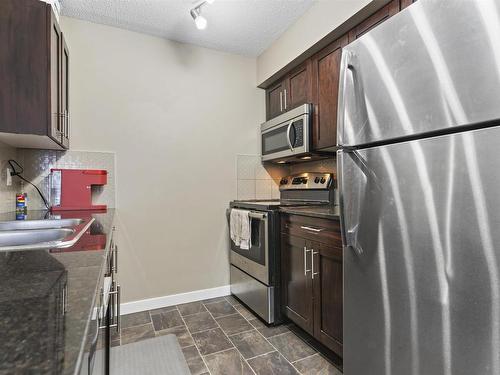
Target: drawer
x,y
311,228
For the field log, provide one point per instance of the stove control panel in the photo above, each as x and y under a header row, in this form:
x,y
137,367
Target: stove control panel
x,y
307,181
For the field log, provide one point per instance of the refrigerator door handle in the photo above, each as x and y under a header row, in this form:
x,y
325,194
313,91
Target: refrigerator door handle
x,y
352,240
344,66
349,236
340,162
350,63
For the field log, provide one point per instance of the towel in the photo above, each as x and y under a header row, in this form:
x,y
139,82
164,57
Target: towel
x,y
239,224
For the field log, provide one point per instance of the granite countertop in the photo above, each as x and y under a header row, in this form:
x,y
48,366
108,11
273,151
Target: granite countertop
x,y
324,212
37,335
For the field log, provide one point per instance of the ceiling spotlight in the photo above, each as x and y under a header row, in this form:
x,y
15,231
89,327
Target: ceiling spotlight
x,y
199,20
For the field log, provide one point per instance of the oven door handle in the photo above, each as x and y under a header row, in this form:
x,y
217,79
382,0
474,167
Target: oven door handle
x,y
288,130
257,215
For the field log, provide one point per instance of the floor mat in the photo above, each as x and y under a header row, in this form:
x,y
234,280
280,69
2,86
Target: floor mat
x,y
159,355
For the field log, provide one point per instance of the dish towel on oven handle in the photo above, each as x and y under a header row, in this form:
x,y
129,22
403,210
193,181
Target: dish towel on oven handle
x,y
239,226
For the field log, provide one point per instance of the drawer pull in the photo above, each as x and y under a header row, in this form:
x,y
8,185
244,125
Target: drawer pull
x,y
315,230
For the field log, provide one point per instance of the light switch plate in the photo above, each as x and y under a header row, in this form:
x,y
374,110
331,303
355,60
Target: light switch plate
x,y
8,178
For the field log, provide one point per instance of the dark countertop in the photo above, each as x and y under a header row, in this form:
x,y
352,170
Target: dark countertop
x,y
36,335
324,212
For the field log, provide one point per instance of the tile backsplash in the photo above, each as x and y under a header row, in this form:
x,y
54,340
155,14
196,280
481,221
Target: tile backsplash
x,y
37,165
258,181
7,193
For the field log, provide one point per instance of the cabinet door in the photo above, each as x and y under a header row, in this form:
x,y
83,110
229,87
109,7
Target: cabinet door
x,y
55,124
297,282
274,100
297,88
23,67
325,87
65,93
328,294
406,3
375,19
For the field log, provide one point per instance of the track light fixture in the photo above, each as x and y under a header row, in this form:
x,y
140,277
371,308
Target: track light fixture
x,y
199,20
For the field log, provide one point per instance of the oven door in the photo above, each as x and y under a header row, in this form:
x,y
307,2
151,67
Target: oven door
x,y
290,138
255,260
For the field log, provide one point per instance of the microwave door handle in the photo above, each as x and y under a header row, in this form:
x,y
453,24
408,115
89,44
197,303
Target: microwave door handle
x,y
288,130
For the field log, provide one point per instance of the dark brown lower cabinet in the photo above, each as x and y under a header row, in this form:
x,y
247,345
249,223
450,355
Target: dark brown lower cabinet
x,y
298,286
328,295
312,277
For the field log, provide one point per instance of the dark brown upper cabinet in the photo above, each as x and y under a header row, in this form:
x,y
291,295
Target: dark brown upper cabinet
x,y
325,91
298,86
289,92
34,71
274,100
374,20
407,3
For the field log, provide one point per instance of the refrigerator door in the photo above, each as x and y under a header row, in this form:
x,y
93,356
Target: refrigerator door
x,y
433,67
421,221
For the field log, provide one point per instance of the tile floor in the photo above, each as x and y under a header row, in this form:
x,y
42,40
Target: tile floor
x,y
221,337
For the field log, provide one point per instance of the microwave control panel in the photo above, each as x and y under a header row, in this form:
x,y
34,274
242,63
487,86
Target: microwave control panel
x,y
299,133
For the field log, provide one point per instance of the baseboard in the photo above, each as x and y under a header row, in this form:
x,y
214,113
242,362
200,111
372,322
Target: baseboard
x,y
174,299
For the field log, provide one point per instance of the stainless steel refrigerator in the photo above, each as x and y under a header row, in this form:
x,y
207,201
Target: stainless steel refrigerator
x,y
419,174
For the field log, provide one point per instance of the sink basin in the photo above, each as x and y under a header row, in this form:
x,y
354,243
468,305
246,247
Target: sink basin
x,y
38,224
32,236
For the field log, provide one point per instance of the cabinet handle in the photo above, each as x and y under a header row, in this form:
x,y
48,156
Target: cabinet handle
x,y
315,230
61,127
115,262
118,303
285,98
313,253
306,250
68,120
98,314
117,296
281,101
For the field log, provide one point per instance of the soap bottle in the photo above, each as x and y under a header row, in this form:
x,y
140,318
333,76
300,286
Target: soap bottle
x,y
21,205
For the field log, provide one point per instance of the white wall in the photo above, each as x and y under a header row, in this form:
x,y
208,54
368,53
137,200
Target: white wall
x,y
176,115
322,18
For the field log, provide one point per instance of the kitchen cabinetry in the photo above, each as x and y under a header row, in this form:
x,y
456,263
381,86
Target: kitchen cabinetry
x,y
34,71
290,92
325,89
311,251
406,3
297,282
374,20
316,81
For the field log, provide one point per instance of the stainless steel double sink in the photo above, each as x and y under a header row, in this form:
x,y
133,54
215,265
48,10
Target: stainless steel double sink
x,y
40,234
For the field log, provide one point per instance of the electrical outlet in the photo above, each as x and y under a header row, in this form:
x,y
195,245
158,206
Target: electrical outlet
x,y
9,177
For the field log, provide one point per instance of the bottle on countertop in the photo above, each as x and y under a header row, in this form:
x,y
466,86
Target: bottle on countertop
x,y
21,205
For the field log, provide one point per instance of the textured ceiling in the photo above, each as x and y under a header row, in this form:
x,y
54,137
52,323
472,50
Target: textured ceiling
x,y
244,27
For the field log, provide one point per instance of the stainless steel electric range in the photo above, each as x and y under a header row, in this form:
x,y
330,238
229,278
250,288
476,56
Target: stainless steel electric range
x,y
255,273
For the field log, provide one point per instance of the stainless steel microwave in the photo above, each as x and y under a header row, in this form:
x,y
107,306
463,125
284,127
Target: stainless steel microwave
x,y
287,135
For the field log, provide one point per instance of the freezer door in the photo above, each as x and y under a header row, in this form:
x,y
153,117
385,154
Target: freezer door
x,y
434,66
421,222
